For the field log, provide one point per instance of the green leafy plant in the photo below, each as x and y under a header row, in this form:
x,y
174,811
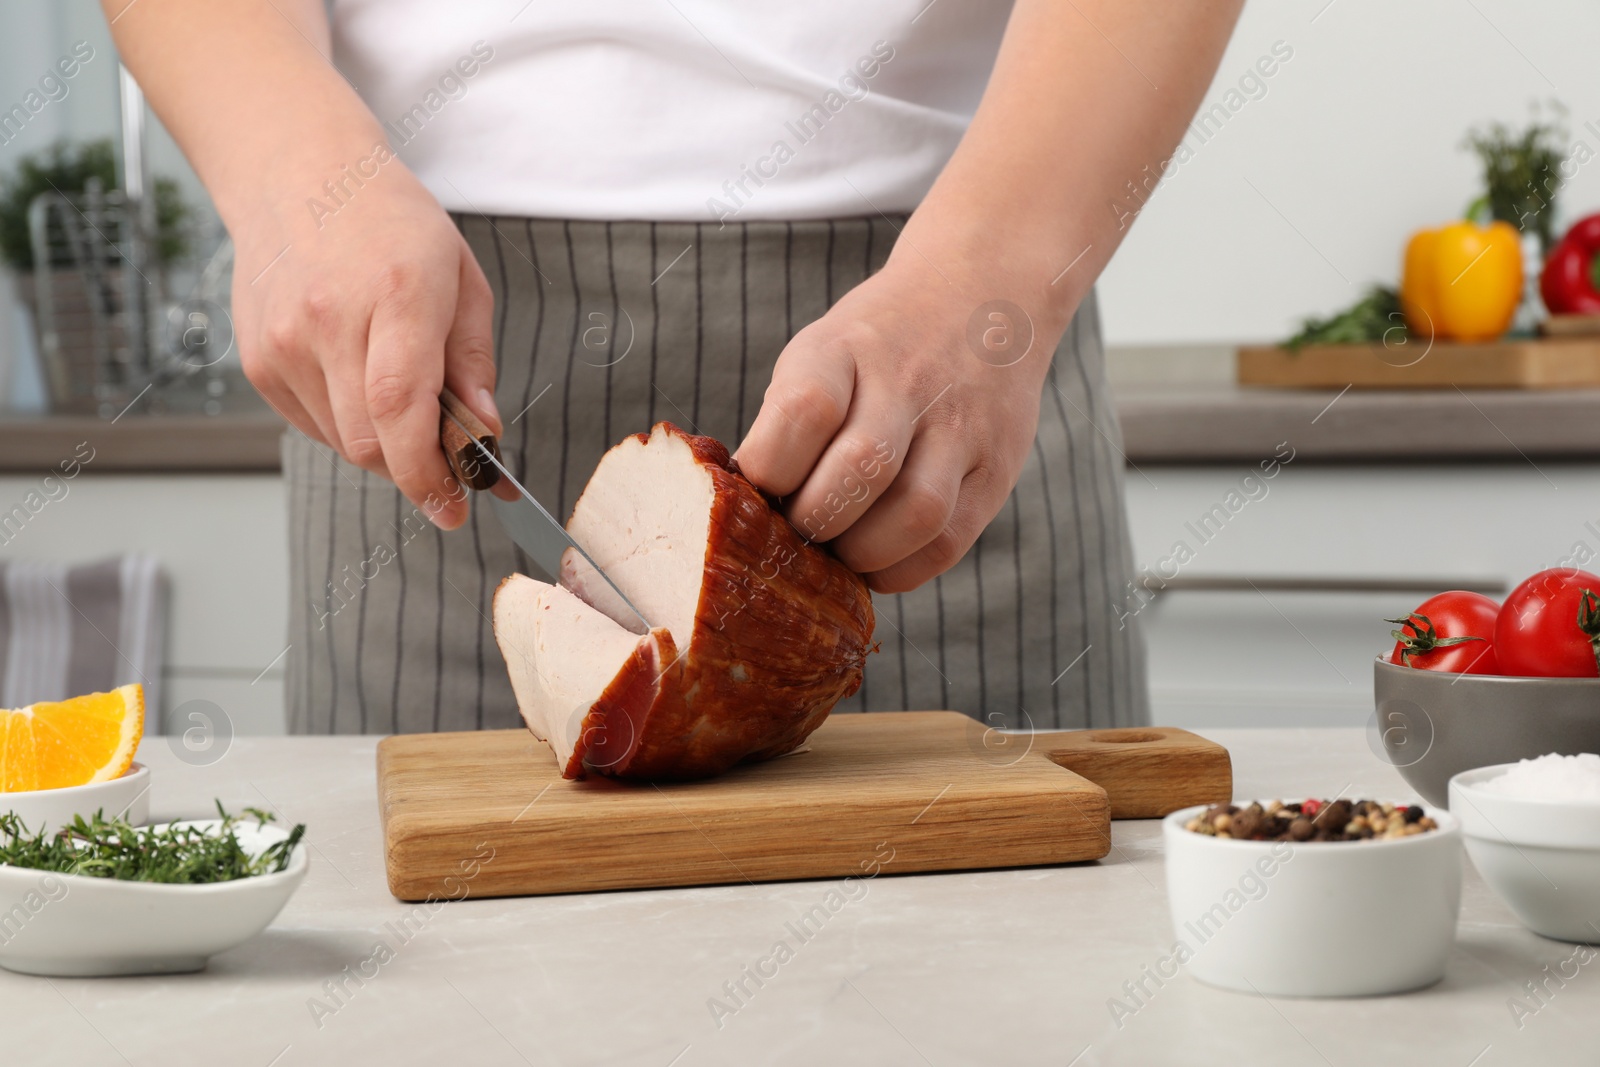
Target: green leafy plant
x,y
1522,172
66,167
1367,321
102,848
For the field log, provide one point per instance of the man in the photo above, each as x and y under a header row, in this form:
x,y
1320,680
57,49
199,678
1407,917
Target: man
x,y
832,233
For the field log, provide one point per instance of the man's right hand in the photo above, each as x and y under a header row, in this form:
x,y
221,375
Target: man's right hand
x,y
350,324
351,318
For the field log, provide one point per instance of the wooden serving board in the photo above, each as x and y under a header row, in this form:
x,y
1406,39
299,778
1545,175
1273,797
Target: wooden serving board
x,y
486,814
1531,363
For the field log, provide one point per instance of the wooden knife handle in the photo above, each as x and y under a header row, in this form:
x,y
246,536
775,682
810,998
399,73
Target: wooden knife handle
x,y
466,462
1147,771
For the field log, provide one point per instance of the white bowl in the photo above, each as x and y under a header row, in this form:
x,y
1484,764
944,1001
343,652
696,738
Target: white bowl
x,y
70,925
1313,919
1542,857
51,809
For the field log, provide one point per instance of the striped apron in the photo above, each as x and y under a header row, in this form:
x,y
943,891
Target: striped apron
x,y
602,329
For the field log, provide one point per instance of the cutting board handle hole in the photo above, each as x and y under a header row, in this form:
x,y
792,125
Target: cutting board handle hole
x,y
1126,737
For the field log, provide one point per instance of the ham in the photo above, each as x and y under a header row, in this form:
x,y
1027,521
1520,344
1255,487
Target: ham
x,y
756,633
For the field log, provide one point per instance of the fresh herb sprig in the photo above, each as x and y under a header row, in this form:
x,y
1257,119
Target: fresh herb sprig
x,y
1369,320
1522,171
114,848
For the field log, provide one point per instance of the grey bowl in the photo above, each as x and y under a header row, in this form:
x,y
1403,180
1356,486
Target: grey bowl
x,y
1431,725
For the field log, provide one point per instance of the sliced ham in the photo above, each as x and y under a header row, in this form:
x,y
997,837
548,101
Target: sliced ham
x,y
756,635
568,663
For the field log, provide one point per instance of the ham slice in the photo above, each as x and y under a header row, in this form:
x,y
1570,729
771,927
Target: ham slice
x,y
757,632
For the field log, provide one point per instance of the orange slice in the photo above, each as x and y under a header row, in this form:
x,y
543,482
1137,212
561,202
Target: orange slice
x,y
74,742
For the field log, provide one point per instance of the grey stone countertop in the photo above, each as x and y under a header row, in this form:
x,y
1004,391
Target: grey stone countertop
x,y
1204,423
994,967
148,444
1198,422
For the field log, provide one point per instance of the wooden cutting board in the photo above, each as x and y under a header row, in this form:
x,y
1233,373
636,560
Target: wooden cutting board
x,y
1570,326
485,814
1530,363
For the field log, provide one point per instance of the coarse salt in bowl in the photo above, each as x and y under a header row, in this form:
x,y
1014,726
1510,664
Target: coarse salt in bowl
x,y
1549,777
1532,829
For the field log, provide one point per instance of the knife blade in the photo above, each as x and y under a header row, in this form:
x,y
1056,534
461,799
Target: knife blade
x,y
526,521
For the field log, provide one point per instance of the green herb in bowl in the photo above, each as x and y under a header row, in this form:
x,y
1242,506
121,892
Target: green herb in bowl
x,y
174,854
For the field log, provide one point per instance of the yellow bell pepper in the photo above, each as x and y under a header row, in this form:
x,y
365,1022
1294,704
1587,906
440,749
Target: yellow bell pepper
x,y
1462,281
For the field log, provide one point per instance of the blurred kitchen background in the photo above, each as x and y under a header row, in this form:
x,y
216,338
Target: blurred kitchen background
x,y
1297,193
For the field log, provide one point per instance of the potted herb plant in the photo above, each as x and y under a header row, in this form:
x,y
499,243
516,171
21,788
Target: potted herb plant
x,y
67,169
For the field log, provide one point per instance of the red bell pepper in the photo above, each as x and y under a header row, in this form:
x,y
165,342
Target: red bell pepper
x,y
1568,283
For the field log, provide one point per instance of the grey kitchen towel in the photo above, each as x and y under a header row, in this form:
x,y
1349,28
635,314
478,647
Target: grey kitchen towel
x,y
601,330
69,630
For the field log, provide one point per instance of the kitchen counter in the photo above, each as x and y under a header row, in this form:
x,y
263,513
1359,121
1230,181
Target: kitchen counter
x,y
166,444
996,967
1227,423
1189,423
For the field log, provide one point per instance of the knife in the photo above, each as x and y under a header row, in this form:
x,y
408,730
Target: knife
x,y
474,458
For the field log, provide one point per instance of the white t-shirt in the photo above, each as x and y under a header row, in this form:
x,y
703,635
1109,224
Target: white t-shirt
x,y
672,109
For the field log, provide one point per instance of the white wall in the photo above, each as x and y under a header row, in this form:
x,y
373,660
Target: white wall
x,y
1356,143
33,35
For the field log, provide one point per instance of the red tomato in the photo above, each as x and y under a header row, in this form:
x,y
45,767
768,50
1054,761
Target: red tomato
x,y
1452,632
1550,626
